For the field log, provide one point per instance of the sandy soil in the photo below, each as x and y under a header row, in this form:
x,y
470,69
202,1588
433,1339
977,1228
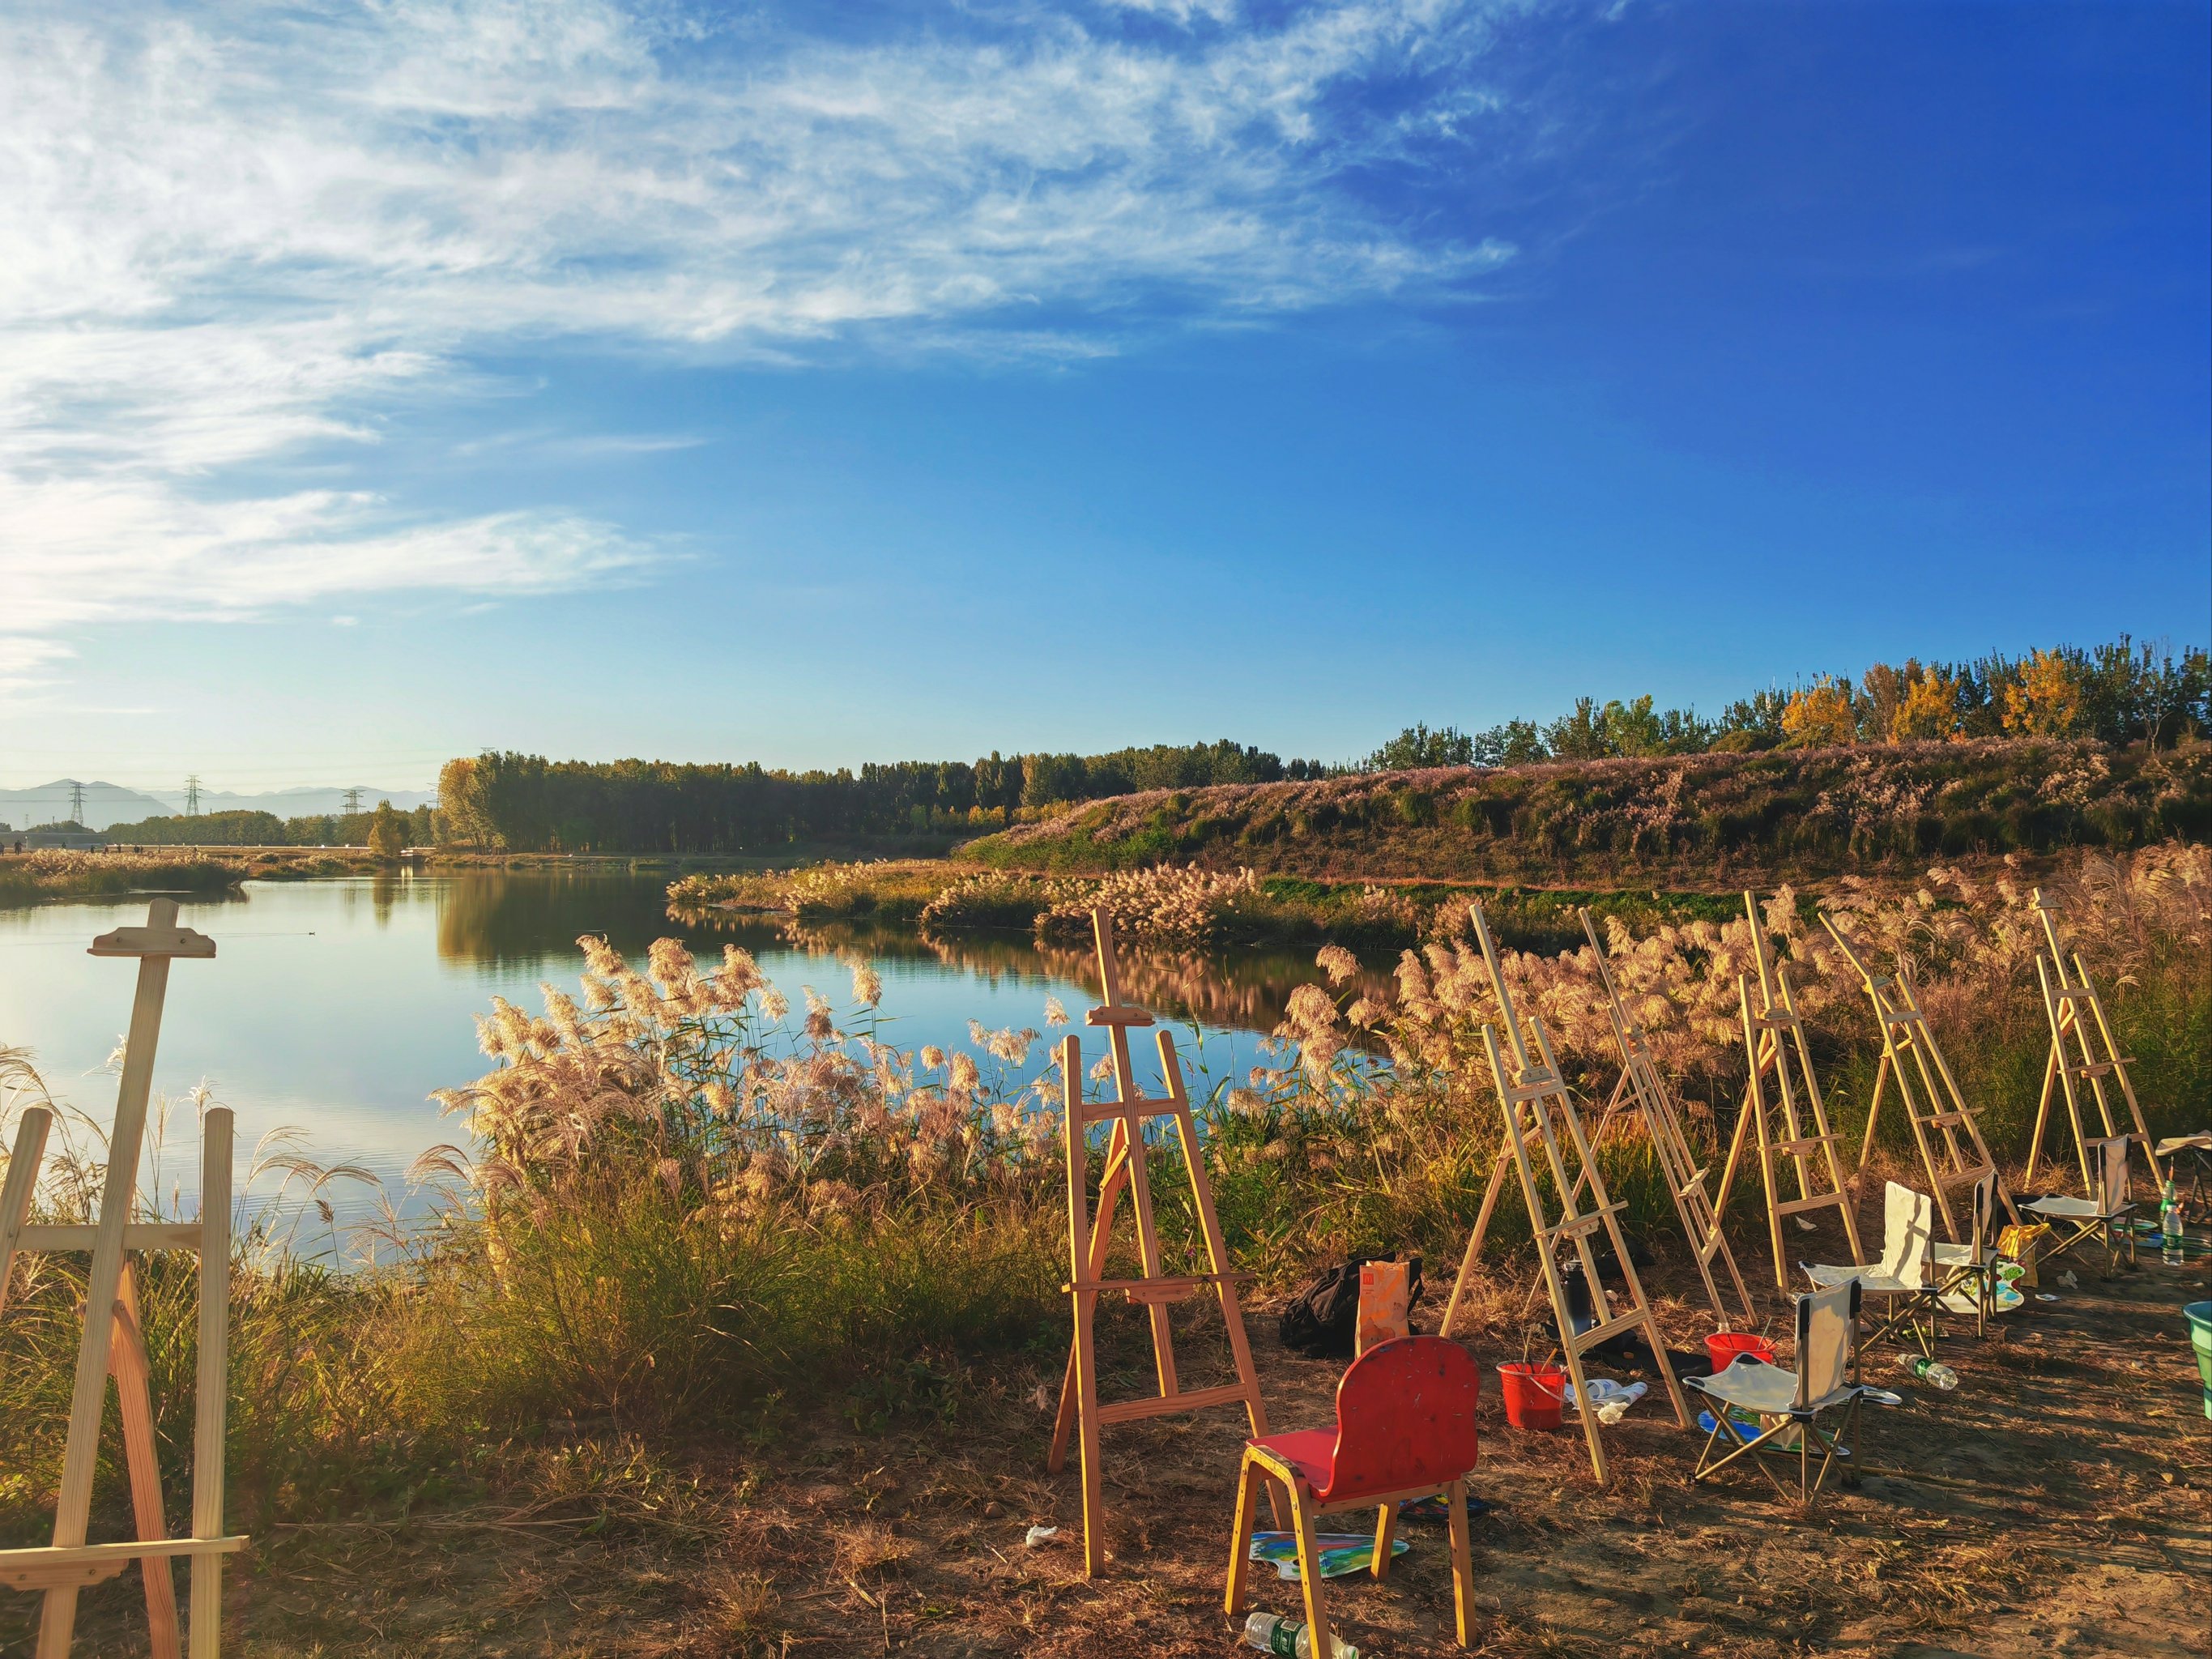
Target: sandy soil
x,y
2060,1503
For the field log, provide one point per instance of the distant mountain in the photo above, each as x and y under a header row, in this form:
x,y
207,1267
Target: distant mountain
x,y
104,804
110,803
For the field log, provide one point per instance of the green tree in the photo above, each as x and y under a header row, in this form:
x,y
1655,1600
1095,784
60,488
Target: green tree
x,y
1509,743
387,832
1417,747
1581,735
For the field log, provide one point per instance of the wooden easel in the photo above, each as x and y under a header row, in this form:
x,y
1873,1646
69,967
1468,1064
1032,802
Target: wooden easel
x,y
2064,996
1640,1082
1089,1243
112,1342
1936,1106
1763,1043
1533,1099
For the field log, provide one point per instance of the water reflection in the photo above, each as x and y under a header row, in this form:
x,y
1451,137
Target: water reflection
x,y
335,1006
501,923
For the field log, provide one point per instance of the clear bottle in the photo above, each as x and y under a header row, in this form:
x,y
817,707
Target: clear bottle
x,y
1272,1634
1933,1372
2169,1224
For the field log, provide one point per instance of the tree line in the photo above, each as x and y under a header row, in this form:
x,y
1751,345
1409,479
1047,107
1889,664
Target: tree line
x,y
527,803
387,828
2120,693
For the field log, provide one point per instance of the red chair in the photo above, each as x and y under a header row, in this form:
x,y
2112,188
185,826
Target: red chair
x,y
1405,1428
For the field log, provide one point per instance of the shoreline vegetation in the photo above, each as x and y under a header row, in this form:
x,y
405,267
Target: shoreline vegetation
x,y
693,1222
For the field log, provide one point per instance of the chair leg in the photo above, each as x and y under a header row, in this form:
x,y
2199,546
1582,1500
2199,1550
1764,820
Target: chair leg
x,y
1386,1527
1462,1561
1302,1507
1240,1543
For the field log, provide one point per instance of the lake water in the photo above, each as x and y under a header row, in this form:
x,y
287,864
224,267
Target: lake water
x,y
334,1007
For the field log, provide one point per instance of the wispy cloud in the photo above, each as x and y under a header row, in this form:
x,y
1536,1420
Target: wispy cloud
x,y
237,232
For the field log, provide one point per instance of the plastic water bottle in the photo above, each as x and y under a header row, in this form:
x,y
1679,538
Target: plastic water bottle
x,y
2169,1222
1933,1372
1271,1634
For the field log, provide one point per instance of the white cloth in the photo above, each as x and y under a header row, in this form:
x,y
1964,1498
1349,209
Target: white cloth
x,y
1908,1219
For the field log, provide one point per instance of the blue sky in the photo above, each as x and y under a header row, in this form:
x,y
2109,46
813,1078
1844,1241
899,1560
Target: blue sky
x,y
817,385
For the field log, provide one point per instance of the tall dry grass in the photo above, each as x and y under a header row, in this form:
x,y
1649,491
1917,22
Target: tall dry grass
x,y
57,872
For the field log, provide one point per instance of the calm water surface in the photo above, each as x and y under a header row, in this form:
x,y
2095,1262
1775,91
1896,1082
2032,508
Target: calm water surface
x,y
334,1007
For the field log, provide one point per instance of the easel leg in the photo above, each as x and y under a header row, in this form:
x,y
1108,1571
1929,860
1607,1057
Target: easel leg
x,y
22,1179
2042,1114
1100,1244
211,1399
1086,1382
1874,1118
134,1396
88,1397
1475,1240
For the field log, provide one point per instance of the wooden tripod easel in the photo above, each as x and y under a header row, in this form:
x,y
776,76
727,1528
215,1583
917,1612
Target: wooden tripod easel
x,y
1089,1243
1533,1100
1936,1106
1763,1045
112,1342
2064,996
1640,1081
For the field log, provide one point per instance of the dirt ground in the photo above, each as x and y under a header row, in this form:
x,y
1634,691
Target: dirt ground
x,y
2060,1503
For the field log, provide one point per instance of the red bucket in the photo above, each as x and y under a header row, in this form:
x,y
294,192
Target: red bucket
x,y
1722,1348
1533,1395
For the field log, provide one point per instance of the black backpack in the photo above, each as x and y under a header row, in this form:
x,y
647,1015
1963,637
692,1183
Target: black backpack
x,y
1321,1318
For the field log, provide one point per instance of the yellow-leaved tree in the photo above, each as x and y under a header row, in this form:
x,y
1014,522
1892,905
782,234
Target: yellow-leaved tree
x,y
1820,715
2045,701
1928,708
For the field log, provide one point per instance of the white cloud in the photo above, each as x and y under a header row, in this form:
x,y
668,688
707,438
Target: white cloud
x,y
234,233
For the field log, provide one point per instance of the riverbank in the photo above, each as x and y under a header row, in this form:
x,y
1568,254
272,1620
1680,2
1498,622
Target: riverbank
x,y
1178,907
33,877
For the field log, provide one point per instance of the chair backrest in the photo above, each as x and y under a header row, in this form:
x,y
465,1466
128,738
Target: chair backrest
x,y
1827,1331
1985,1207
2112,1173
1908,1219
1405,1418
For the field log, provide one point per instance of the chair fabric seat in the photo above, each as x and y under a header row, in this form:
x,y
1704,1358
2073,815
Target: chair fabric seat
x,y
1311,1452
1871,1283
2074,1209
1753,1385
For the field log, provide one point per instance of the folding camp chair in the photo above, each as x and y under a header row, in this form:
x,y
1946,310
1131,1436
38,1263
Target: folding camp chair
x,y
1900,1278
1969,1269
2102,1216
1790,1404
1405,1428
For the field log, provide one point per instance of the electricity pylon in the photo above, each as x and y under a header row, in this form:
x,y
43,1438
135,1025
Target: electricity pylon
x,y
352,800
192,796
77,802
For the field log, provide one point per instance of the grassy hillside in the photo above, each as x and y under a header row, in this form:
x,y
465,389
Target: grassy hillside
x,y
1686,821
